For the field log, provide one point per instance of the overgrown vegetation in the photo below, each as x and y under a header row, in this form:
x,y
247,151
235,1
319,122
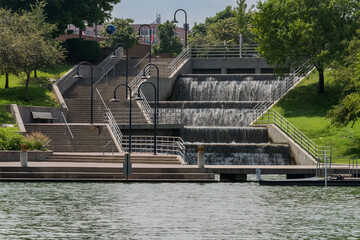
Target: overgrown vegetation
x,y
169,43
10,139
307,110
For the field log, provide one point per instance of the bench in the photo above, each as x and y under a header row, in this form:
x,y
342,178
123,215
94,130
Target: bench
x,y
42,116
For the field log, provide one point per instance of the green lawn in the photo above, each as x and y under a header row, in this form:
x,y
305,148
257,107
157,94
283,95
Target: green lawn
x,y
38,96
307,110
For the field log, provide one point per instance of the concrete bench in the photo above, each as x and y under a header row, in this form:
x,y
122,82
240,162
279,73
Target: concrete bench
x,y
42,116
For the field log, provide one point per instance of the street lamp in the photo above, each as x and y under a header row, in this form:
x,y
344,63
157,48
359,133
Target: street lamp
x,y
186,25
144,77
91,87
155,110
116,100
127,62
146,25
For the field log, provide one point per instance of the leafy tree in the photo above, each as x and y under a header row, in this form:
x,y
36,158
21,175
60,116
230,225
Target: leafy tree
x,y
66,12
302,29
169,43
124,33
347,77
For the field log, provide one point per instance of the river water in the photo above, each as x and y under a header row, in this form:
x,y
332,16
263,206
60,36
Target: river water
x,y
177,211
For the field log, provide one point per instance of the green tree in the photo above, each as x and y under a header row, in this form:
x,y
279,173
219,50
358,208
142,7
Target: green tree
x,y
124,33
305,30
347,77
62,13
169,43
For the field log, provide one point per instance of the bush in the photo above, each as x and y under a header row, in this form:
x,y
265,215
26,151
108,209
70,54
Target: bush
x,y
10,139
89,51
72,45
36,141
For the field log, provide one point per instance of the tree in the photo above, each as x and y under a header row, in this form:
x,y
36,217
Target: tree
x,y
300,30
347,78
169,43
62,13
124,33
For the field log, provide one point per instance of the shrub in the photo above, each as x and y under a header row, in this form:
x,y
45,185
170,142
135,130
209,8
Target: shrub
x,y
89,51
72,45
36,141
10,139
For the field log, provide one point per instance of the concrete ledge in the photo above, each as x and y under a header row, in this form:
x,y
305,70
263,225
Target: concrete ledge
x,y
14,156
16,114
277,136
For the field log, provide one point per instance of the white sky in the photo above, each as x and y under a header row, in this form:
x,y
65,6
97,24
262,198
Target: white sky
x,y
144,11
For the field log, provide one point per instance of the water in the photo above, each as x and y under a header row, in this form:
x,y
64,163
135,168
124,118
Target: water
x,y
177,211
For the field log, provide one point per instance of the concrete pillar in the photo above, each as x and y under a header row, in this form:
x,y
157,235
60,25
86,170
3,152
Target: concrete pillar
x,y
223,70
23,156
201,157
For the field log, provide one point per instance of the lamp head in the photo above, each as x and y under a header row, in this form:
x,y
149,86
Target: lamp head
x,y
113,56
78,76
174,21
114,100
138,98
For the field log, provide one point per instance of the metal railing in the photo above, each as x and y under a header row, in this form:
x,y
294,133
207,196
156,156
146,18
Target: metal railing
x,y
164,144
179,60
108,65
67,127
224,51
44,148
112,122
318,152
141,60
67,80
112,149
282,89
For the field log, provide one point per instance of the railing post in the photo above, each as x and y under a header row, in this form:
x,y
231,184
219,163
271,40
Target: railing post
x,y
240,45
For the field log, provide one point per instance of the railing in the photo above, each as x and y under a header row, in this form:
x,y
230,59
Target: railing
x,y
108,65
112,122
179,60
67,126
224,51
107,144
164,145
146,56
273,117
44,147
283,88
67,80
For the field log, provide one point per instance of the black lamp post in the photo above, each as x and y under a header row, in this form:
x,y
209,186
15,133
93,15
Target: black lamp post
x,y
157,83
147,25
127,62
116,100
186,25
155,110
91,87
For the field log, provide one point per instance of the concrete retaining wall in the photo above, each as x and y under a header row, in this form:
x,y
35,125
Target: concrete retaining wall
x,y
25,113
277,136
14,156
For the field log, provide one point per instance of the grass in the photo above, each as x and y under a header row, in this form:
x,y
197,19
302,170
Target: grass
x,y
38,96
307,109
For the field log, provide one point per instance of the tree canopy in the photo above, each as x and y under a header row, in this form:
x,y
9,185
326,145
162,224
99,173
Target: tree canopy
x,y
299,30
124,33
169,43
62,13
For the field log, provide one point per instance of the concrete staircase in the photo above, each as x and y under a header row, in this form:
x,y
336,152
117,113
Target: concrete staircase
x,y
78,102
87,138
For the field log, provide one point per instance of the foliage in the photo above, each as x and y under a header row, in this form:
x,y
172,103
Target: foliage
x,y
62,13
72,46
300,30
347,77
10,140
225,26
89,51
124,33
169,43
36,141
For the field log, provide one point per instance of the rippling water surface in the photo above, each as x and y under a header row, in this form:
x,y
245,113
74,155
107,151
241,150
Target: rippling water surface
x,y
177,211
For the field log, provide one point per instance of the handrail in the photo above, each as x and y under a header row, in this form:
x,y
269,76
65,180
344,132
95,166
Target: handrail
x,y
273,117
111,68
44,147
141,61
112,122
67,125
184,55
111,141
225,51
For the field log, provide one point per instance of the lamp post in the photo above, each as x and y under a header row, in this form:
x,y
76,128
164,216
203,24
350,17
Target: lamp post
x,y
155,110
91,87
186,25
147,25
127,62
116,100
157,83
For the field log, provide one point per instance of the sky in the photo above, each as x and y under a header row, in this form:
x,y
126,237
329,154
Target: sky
x,y
144,11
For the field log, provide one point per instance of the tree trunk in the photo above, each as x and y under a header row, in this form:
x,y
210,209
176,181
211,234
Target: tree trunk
x,y
321,85
27,87
80,32
6,80
35,73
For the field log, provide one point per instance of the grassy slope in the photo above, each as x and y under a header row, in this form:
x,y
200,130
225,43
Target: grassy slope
x,y
307,110
38,96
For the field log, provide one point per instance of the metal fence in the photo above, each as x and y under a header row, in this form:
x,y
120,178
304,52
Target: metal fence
x,y
224,51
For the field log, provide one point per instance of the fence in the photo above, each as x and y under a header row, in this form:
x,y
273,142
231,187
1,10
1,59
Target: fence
x,y
224,51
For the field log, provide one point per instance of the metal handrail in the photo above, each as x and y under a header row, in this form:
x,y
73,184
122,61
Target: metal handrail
x,y
141,61
273,117
44,147
184,55
225,51
119,50
112,122
107,144
67,125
